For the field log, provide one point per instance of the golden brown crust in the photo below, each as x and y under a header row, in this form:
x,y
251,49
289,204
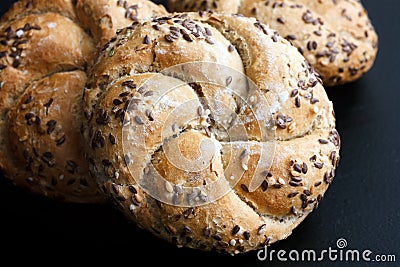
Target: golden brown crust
x,y
23,8
43,134
136,63
336,37
105,17
45,50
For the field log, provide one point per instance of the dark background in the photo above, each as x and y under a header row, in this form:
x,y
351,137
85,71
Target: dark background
x,y
361,206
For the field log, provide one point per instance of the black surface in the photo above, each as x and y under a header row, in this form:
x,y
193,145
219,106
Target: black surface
x,y
361,206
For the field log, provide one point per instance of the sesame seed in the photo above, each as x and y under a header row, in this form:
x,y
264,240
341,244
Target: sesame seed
x,y
332,155
223,244
314,100
281,20
127,159
297,168
243,154
29,116
28,100
307,17
294,183
169,38
304,168
264,186
291,37
187,37
235,229
246,235
117,102
141,89
51,124
323,141
209,41
112,139
132,189
200,111
170,229
148,93
317,33
146,40
296,179
277,186
319,165
244,187
149,114
297,102
61,141
217,237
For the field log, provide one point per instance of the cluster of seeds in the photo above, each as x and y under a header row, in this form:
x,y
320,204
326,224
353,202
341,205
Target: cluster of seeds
x,y
334,44
15,40
304,87
183,27
184,233
35,162
131,10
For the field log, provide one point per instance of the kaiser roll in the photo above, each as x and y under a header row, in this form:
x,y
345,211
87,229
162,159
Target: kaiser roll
x,y
46,47
210,131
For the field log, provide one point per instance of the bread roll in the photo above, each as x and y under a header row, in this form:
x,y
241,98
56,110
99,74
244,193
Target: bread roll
x,y
336,37
196,154
46,47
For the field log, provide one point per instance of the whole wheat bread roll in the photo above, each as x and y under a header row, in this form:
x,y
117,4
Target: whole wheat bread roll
x,y
170,119
46,47
335,36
